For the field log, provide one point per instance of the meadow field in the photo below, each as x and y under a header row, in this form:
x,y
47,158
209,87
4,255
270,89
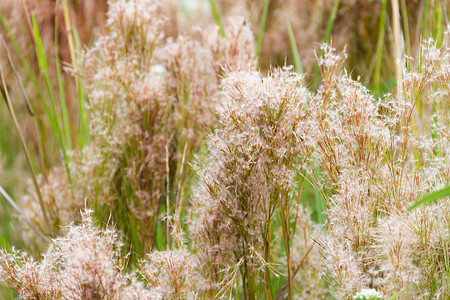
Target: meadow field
x,y
217,149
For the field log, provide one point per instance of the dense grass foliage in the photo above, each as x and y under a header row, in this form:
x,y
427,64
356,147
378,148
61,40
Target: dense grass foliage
x,y
168,150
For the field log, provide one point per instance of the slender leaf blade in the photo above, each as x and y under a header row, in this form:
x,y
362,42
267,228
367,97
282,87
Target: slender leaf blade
x,y
262,25
445,192
42,61
294,49
393,297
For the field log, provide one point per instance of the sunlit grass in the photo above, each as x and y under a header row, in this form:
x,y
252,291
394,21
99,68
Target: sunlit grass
x,y
194,171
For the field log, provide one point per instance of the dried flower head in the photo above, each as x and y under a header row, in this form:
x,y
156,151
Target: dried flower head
x,y
171,273
249,176
84,264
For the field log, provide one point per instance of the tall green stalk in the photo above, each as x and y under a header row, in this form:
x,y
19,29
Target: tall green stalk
x,y
32,77
20,212
326,38
404,12
294,49
262,25
84,137
50,111
217,18
380,43
24,94
62,96
426,7
267,277
286,234
23,61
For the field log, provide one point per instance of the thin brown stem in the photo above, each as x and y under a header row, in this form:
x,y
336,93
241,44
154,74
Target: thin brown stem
x,y
5,94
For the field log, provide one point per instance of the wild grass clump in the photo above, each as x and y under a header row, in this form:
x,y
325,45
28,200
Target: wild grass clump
x,y
84,264
189,173
368,153
248,181
151,101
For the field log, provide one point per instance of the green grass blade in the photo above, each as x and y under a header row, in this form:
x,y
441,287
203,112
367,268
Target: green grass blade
x,y
331,20
326,37
43,67
445,192
20,212
425,32
440,13
217,18
4,244
5,227
52,116
22,89
18,51
62,97
39,47
294,49
407,38
16,74
84,137
135,237
380,43
393,297
262,25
